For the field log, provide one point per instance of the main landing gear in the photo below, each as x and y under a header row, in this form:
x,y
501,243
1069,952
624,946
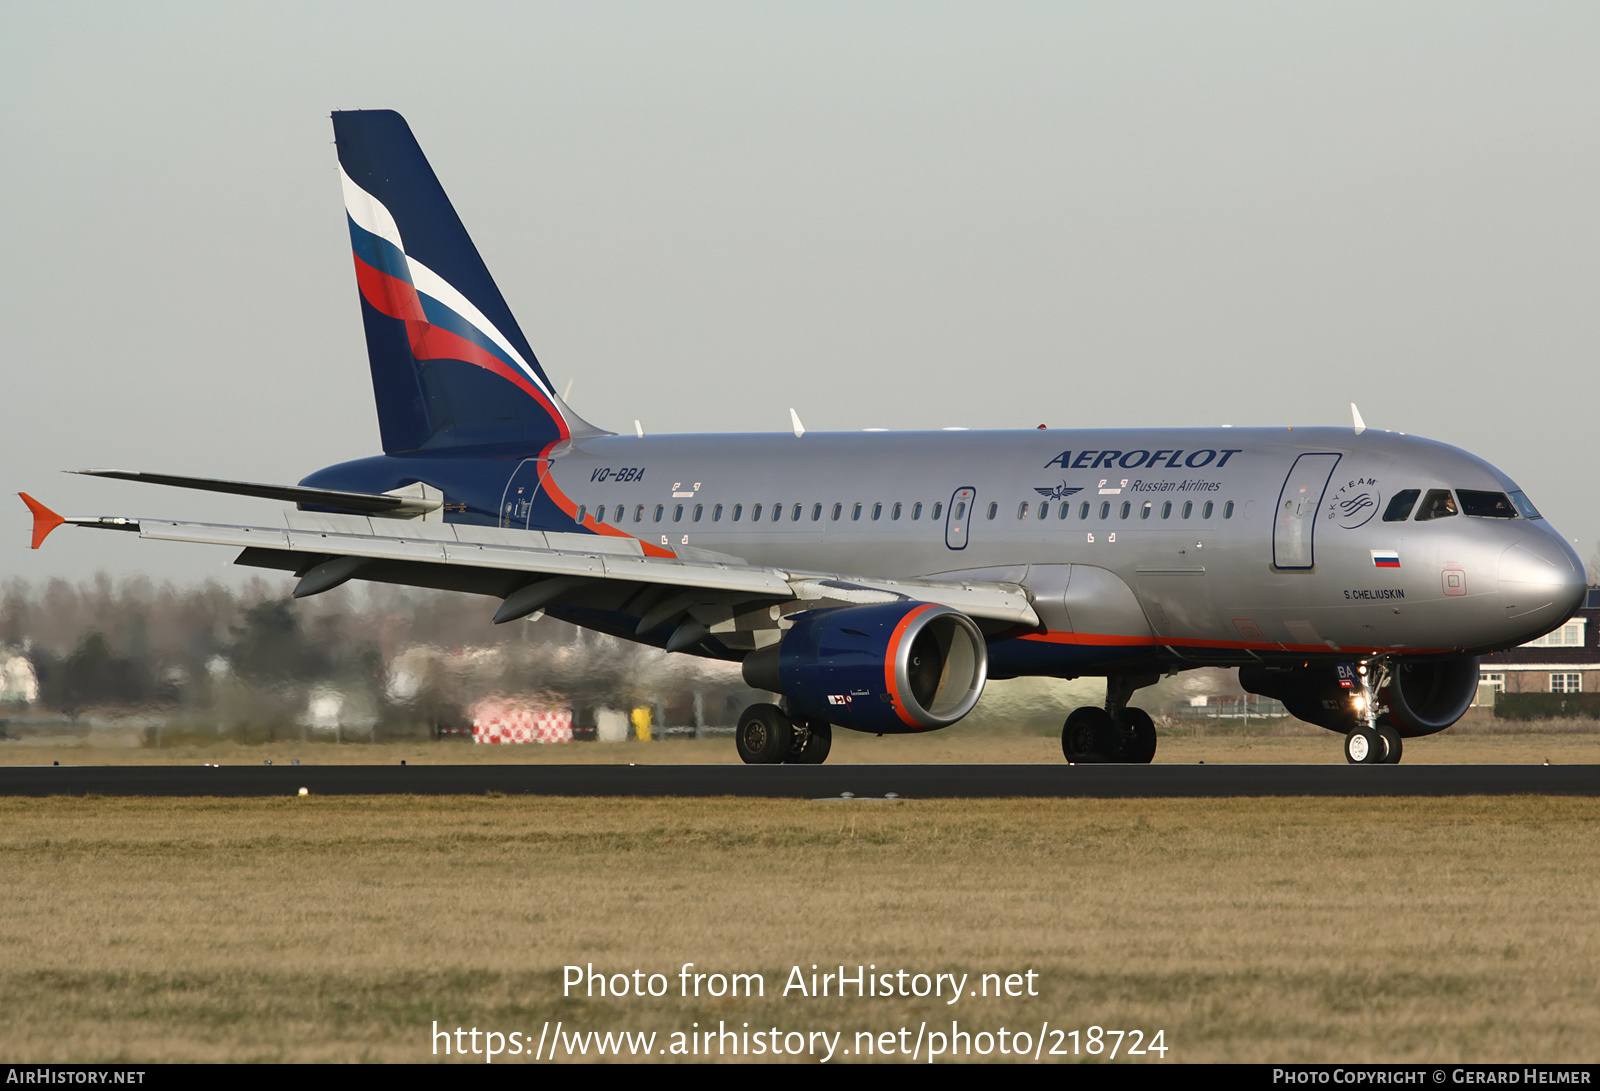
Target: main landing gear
x,y
1115,733
767,736
1371,742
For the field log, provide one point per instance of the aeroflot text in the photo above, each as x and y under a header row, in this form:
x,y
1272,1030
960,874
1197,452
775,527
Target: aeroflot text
x,y
1426,1076
1128,460
858,981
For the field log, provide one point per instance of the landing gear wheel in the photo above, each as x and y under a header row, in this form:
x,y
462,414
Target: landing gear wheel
x,y
1089,735
1139,741
1391,745
810,742
763,735
1363,746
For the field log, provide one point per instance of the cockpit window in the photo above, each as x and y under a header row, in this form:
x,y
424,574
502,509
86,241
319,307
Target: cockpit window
x,y
1438,504
1399,509
1525,506
1486,505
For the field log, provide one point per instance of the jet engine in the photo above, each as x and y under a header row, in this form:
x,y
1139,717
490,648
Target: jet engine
x,y
1428,695
1422,696
891,668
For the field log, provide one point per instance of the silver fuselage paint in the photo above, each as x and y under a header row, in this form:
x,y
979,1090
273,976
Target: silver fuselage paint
x,y
1209,588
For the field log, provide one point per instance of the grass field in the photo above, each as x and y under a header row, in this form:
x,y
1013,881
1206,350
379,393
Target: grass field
x,y
1251,930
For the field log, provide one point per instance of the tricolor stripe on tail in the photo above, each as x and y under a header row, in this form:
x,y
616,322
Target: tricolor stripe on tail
x,y
450,366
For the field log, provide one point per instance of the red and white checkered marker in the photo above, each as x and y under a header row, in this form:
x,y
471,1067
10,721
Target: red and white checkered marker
x,y
497,723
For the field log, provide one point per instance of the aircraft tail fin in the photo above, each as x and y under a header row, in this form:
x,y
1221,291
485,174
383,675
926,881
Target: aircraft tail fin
x,y
450,366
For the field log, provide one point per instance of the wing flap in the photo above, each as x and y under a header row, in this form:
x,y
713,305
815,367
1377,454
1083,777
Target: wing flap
x,y
329,523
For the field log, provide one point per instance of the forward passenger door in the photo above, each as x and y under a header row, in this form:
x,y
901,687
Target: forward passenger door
x,y
1294,522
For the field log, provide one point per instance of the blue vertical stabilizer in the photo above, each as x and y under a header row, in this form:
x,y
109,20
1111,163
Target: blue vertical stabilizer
x,y
450,366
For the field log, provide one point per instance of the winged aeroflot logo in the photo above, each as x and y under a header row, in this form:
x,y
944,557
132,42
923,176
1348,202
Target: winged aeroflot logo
x,y
1060,492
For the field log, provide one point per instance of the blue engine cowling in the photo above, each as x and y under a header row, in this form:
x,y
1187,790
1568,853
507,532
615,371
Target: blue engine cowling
x,y
892,668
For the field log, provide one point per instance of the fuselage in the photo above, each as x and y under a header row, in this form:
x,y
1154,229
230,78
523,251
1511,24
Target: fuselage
x,y
1230,545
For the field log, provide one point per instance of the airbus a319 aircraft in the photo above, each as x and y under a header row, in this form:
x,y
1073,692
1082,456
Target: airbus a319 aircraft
x,y
876,580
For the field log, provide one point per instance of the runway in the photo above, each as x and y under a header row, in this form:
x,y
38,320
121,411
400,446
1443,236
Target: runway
x,y
860,783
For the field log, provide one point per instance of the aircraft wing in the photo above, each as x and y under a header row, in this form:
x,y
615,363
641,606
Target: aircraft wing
x,y
701,591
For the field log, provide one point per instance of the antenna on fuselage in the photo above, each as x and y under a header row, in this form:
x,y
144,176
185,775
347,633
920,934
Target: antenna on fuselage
x,y
1355,417
799,429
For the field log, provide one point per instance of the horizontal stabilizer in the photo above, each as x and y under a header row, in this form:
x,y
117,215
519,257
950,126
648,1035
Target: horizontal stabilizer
x,y
375,503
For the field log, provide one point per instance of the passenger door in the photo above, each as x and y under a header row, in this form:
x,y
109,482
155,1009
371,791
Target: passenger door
x,y
1294,521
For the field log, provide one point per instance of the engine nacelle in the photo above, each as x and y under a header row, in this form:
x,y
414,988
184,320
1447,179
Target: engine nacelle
x,y
1423,695
1428,695
892,668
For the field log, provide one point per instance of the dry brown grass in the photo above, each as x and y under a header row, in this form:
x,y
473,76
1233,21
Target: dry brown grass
x,y
1254,930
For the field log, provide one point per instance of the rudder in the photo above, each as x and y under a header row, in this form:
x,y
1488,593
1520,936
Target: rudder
x,y
450,366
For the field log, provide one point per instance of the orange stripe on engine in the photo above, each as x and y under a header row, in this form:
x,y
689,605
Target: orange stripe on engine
x,y
889,660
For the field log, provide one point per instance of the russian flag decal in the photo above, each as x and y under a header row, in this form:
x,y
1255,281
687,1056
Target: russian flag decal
x,y
1385,558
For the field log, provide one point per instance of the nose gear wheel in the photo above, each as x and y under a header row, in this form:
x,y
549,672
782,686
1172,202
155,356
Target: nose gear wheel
x,y
1372,741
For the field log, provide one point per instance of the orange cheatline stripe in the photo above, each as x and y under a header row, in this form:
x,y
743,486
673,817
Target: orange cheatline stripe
x,y
565,503
1098,639
1114,640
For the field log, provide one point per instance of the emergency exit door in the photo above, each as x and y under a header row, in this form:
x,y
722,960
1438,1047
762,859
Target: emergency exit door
x,y
1295,522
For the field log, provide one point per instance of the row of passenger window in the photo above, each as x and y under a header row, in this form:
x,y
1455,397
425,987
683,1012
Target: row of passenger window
x,y
797,513
1439,504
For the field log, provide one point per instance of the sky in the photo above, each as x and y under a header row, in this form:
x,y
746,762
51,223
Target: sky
x,y
889,215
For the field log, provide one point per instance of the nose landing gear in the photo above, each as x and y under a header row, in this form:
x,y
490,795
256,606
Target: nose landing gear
x,y
1369,746
1372,742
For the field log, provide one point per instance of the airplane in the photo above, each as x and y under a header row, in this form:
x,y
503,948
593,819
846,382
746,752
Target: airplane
x,y
876,580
